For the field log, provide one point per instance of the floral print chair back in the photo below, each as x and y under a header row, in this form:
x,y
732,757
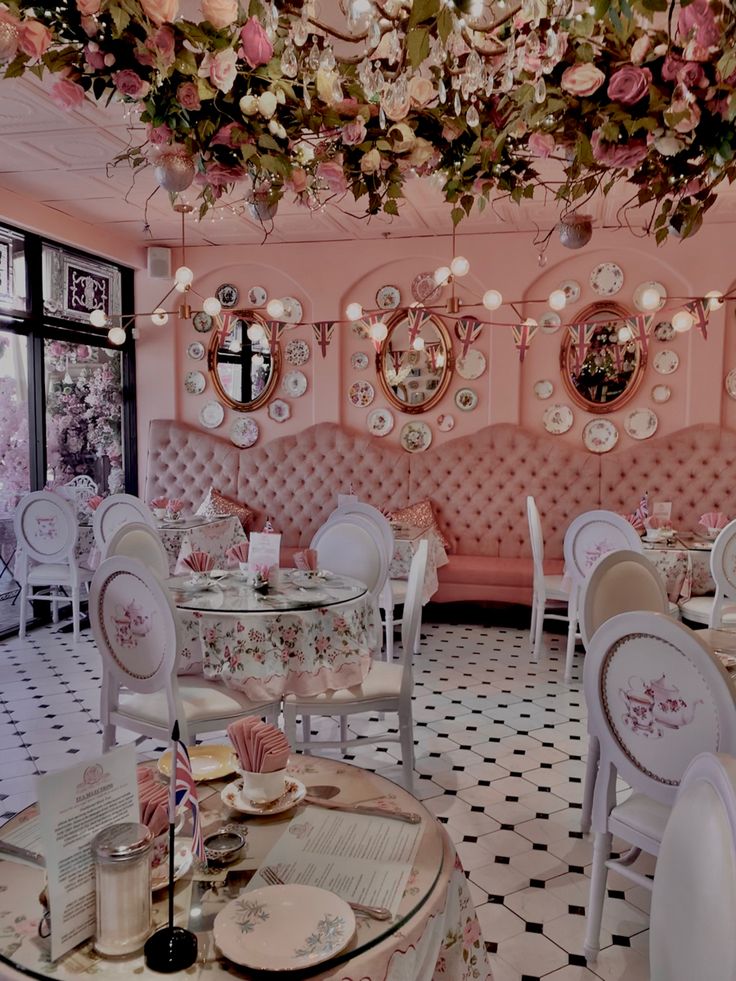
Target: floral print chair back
x,y
723,570
115,511
588,537
78,490
46,530
657,696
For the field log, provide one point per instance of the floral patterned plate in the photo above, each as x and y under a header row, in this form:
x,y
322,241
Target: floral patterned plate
x,y
661,393
227,294
195,382
292,310
388,298
211,415
445,422
664,331
196,351
380,422
607,278
641,289
557,419
571,289
294,383
666,362
279,410
202,322
297,352
359,360
544,388
641,423
550,322
244,432
415,436
183,859
361,394
472,365
257,296
232,796
466,399
423,286
599,435
283,928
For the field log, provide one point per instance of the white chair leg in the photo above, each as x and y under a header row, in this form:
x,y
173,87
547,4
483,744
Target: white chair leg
x,y
75,612
599,876
23,610
389,619
533,625
290,725
343,732
418,638
538,630
591,772
108,737
406,736
572,631
55,604
306,732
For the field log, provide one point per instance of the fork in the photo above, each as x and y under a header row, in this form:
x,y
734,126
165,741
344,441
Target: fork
x,y
375,912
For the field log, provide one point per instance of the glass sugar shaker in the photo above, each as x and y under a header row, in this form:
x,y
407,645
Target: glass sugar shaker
x,y
122,855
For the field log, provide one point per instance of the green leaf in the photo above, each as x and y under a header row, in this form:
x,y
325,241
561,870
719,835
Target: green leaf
x,y
267,142
417,46
457,215
423,10
658,5
391,207
120,18
445,23
274,165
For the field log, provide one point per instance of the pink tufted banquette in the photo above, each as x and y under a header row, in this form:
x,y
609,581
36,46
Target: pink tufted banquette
x,y
477,483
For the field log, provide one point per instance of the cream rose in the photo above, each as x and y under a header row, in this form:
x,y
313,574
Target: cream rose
x,y
370,162
220,13
421,91
402,136
160,11
582,80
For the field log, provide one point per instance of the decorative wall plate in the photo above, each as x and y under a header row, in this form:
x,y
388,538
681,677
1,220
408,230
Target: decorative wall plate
x,y
664,331
415,436
278,410
388,298
380,422
202,322
543,388
294,383
606,279
641,423
211,415
361,394
423,286
196,351
244,432
652,284
257,296
550,322
195,382
571,289
472,366
466,399
228,295
359,360
557,419
731,383
292,310
665,362
661,393
599,435
297,352
445,422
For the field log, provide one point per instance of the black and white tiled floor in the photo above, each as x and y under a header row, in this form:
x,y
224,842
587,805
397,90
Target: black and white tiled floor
x,y
500,760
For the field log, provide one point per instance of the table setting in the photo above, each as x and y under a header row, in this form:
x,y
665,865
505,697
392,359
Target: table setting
x,y
683,557
406,541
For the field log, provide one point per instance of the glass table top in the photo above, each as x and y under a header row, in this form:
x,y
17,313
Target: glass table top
x,y
233,592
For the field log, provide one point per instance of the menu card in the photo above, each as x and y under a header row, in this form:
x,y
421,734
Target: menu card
x,y
264,548
662,510
74,805
361,858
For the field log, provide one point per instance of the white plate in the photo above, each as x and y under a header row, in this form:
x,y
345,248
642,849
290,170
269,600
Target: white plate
x,y
543,388
292,310
641,423
557,419
550,322
361,394
571,289
187,586
244,432
211,761
183,859
359,360
652,284
606,279
665,362
388,298
661,393
196,351
472,366
731,383
380,422
279,411
445,422
284,928
297,352
423,286
211,415
295,792
466,399
257,296
228,295
415,436
195,382
202,322
599,435
294,383
664,331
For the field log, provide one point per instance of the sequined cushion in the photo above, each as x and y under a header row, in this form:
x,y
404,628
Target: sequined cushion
x,y
216,505
419,515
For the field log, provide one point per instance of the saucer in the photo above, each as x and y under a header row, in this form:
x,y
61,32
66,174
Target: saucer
x,y
183,859
187,586
294,793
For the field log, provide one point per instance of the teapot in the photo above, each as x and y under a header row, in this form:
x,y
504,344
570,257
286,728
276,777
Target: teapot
x,y
640,706
670,709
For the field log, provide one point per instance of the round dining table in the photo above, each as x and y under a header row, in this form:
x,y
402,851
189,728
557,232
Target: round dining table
x,y
434,934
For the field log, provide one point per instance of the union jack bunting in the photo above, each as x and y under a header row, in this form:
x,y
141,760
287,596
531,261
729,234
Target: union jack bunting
x,y
700,310
323,330
274,329
523,334
640,328
185,792
581,335
467,330
416,320
642,512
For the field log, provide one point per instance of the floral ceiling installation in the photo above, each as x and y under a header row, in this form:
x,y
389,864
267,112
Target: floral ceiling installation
x,y
275,98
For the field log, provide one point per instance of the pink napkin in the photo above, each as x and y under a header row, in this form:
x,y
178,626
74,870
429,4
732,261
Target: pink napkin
x,y
175,506
153,799
260,746
94,502
655,523
635,521
714,519
159,502
264,571
238,553
199,561
306,560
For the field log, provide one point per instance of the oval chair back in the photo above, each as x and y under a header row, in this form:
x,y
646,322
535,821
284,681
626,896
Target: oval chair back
x,y
536,535
723,571
413,609
46,529
117,510
139,541
593,534
372,514
350,545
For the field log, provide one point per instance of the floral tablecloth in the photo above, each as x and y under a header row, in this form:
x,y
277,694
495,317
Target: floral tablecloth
x,y
404,550
686,571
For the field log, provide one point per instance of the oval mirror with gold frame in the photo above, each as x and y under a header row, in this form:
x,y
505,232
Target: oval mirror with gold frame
x,y
415,380
244,372
609,372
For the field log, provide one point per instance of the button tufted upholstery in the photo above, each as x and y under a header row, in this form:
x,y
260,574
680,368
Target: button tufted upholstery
x,y
183,462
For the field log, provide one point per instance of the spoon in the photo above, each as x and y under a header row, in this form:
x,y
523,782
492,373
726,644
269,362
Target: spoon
x,y
323,791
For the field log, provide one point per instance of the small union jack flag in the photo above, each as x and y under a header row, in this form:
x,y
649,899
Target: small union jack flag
x,y
642,512
185,792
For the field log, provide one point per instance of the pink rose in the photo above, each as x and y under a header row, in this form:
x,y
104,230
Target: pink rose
x,y
354,132
34,39
682,103
618,155
129,83
582,79
421,91
158,135
160,11
94,57
640,49
162,43
90,26
629,85
698,18
88,8
66,94
689,73
218,175
231,135
451,130
221,68
471,933
220,13
541,144
256,49
298,180
188,96
331,172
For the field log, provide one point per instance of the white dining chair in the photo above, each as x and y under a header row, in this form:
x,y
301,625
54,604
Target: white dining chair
x,y
387,688
717,611
546,588
136,629
46,530
139,541
117,510
693,911
590,535
656,697
350,545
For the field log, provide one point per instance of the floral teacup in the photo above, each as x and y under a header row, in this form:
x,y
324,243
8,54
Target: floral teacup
x,y
262,788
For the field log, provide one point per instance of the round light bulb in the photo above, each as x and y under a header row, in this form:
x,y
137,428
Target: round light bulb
x,y
212,306
379,331
439,360
459,266
275,309
257,360
418,343
530,322
160,317
183,275
116,335
492,300
715,299
682,321
557,300
353,311
98,318
181,287
442,274
651,298
256,333
236,346
625,334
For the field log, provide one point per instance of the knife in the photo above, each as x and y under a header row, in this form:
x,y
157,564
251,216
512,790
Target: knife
x,y
410,817
15,851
